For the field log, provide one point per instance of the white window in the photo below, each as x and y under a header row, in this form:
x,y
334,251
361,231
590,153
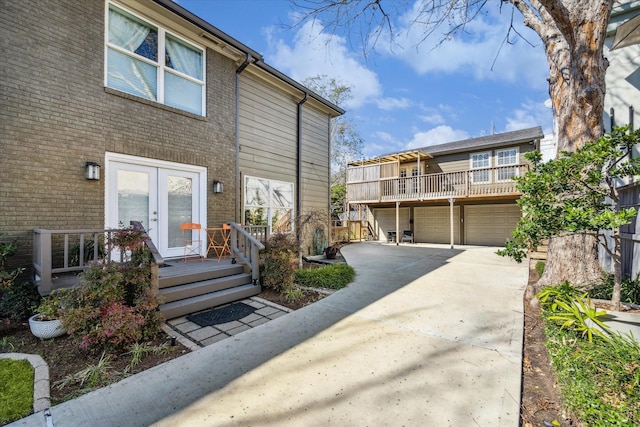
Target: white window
x,y
147,61
480,161
268,202
505,158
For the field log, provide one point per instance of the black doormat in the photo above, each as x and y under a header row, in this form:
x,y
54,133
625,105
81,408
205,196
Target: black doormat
x,y
226,314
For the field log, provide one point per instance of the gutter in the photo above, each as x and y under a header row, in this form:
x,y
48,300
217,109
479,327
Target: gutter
x,y
299,165
237,214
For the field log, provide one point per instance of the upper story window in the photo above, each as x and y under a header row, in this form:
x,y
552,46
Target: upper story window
x,y
147,61
480,161
505,158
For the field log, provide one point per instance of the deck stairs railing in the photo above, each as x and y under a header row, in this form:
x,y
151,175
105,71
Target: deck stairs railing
x,y
185,287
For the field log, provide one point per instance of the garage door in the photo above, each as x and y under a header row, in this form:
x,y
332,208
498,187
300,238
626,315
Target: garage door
x,y
385,220
431,225
490,225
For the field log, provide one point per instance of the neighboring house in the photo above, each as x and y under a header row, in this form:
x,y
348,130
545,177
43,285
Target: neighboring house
x,y
186,123
456,193
622,50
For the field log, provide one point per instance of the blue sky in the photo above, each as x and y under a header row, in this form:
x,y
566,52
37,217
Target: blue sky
x,y
415,94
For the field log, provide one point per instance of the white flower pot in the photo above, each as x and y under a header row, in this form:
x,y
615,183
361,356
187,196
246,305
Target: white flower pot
x,y
46,329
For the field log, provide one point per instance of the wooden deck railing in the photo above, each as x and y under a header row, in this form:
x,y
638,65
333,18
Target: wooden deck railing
x,y
247,248
66,251
466,184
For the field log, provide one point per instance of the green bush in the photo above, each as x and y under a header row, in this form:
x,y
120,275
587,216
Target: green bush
x,y
18,299
115,304
599,380
540,268
629,290
278,262
335,276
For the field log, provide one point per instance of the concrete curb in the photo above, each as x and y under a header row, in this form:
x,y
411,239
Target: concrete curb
x,y
41,391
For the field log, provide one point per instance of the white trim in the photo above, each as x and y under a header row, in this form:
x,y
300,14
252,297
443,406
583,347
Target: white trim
x,y
163,164
269,206
479,169
161,67
517,162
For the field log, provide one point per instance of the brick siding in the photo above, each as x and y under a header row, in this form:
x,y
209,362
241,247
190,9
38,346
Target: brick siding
x,y
56,115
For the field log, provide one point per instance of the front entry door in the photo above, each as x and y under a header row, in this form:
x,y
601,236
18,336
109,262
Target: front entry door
x,y
160,198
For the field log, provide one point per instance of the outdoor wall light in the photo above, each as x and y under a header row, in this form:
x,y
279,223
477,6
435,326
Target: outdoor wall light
x,y
218,187
93,171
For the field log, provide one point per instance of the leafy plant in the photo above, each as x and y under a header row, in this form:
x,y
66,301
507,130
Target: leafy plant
x,y
600,380
293,294
579,315
138,351
17,299
115,304
564,292
540,268
335,276
51,306
278,262
577,193
629,290
92,375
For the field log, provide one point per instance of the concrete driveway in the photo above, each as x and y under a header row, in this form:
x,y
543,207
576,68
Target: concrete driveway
x,y
425,336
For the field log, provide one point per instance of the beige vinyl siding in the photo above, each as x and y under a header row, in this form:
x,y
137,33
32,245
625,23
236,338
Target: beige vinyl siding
x,y
315,160
490,225
461,161
267,131
385,220
432,224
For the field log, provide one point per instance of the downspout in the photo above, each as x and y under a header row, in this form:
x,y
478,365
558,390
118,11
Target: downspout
x,y
299,167
237,215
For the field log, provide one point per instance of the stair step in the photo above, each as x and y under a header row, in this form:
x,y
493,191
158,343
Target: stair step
x,y
202,302
167,280
189,290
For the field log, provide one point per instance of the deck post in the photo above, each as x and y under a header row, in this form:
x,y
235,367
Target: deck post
x,y
42,255
451,200
397,223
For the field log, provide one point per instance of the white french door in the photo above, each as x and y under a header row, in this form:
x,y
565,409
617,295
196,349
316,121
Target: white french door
x,y
160,197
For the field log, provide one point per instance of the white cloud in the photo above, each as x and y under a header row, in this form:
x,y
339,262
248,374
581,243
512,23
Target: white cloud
x,y
314,53
433,119
473,50
389,104
435,136
531,114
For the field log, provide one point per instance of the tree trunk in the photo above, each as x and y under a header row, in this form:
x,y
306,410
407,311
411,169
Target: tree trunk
x,y
573,33
574,259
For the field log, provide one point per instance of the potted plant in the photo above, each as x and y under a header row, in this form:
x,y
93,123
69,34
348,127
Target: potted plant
x,y
331,251
46,323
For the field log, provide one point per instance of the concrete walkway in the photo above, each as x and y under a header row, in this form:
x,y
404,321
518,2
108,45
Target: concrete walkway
x,y
425,336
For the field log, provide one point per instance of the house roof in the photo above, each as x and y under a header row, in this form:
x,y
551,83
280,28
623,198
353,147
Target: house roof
x,y
473,144
403,157
253,57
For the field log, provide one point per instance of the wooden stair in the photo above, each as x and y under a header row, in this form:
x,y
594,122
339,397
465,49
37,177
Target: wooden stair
x,y
199,288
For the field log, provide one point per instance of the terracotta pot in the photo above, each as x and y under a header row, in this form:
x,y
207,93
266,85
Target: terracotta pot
x,y
46,329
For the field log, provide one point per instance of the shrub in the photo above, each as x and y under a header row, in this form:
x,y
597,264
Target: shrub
x,y
629,290
600,380
335,276
18,299
540,268
115,304
278,262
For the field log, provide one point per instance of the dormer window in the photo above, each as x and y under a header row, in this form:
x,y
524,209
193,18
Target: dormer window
x,y
145,60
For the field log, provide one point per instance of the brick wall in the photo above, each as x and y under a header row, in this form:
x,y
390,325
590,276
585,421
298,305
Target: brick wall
x,y
55,115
